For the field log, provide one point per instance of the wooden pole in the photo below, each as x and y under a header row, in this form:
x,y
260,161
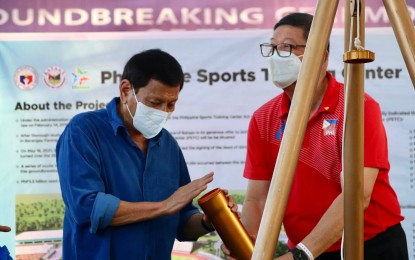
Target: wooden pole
x,y
353,150
294,132
404,32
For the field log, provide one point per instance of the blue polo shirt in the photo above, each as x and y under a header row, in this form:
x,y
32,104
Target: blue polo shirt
x,y
99,165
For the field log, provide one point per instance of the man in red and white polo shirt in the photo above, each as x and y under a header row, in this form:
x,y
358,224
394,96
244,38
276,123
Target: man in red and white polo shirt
x,y
313,219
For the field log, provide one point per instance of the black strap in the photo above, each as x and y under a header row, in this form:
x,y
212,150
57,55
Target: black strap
x,y
207,226
298,254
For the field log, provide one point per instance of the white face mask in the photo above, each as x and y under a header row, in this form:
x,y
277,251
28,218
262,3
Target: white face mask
x,y
149,121
284,70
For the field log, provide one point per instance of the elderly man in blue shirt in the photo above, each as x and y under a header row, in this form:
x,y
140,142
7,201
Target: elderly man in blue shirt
x,y
123,177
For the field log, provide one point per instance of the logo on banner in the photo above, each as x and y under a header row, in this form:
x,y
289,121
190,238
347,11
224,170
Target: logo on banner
x,y
80,79
54,77
330,126
25,78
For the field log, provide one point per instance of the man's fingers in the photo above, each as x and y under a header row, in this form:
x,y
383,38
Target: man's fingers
x,y
226,252
231,201
204,180
232,204
201,184
210,174
188,192
208,177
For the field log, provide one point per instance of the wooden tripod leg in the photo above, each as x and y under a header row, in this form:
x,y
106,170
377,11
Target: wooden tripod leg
x,y
353,139
404,32
295,128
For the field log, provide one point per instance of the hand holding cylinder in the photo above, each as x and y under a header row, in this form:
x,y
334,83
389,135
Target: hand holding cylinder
x,y
227,224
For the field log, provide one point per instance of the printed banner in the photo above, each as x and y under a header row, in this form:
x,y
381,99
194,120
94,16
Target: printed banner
x,y
47,78
105,16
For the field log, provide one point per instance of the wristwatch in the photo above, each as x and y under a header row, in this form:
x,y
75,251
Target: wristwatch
x,y
298,254
208,226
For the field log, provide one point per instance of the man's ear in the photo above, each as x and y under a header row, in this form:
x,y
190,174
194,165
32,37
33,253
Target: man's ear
x,y
125,88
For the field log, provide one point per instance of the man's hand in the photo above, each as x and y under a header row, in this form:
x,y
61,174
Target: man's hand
x,y
231,204
226,252
187,193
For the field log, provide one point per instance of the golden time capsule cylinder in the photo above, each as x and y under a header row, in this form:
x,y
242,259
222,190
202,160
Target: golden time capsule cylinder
x,y
227,224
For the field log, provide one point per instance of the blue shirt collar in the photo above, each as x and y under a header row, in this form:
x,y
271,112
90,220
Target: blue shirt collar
x,y
114,118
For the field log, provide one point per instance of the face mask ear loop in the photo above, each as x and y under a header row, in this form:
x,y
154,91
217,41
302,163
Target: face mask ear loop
x,y
132,88
129,111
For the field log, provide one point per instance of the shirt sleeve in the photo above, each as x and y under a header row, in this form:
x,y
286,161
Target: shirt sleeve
x,y
375,144
257,165
103,211
82,187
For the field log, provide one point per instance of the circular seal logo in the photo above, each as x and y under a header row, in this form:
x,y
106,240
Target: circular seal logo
x,y
54,77
25,78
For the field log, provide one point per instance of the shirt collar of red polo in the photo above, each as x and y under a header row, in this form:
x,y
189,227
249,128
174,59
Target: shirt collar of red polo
x,y
328,104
